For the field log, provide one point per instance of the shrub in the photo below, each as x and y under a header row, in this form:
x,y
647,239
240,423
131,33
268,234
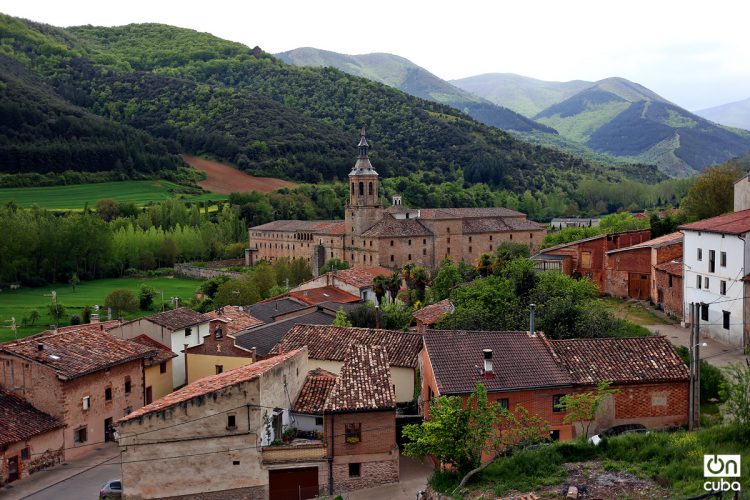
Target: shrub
x,y
146,296
75,320
121,300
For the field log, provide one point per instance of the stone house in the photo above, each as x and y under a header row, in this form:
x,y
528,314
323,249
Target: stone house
x,y
328,345
668,283
157,370
30,440
522,369
629,272
585,258
211,438
429,315
84,377
373,235
356,281
177,329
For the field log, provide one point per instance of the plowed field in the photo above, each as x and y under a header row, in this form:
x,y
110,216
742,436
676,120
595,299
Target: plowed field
x,y
224,179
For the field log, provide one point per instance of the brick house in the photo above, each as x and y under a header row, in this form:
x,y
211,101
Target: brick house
x,y
177,329
30,440
629,272
668,284
534,372
328,345
157,369
211,439
218,352
360,413
356,281
373,235
585,258
429,315
83,377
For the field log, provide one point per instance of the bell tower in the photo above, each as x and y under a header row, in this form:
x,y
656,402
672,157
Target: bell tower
x,y
364,208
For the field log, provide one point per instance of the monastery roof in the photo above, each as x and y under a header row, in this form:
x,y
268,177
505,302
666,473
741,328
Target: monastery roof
x,y
236,319
21,421
500,224
211,384
75,353
673,267
312,397
621,360
661,241
365,382
431,314
464,213
390,226
177,319
731,223
332,342
163,353
312,226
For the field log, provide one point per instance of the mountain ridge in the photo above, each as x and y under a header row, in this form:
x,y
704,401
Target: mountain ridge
x,y
731,114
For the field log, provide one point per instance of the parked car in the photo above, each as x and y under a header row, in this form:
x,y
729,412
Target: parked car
x,y
617,431
111,490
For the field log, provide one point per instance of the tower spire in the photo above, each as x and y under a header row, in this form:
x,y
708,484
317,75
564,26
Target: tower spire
x,y
363,146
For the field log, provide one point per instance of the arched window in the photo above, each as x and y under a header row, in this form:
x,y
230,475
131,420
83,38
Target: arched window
x,y
361,188
369,189
352,189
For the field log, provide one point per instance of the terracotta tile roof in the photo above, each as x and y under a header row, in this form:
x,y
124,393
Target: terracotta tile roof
x,y
390,226
519,361
264,338
177,319
312,397
463,213
584,240
361,277
661,241
211,384
731,223
235,318
500,225
74,353
431,314
313,226
315,296
332,342
163,353
365,382
673,267
622,361
102,325
21,421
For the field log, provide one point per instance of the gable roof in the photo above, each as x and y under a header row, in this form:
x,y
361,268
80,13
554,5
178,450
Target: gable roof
x,y
731,223
661,241
390,226
314,226
464,213
621,360
673,267
75,353
266,310
177,319
235,318
265,338
332,342
585,240
429,315
163,353
519,361
499,225
361,277
365,382
21,421
211,384
312,397
315,296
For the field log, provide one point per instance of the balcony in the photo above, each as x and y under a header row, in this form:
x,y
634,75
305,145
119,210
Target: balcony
x,y
299,450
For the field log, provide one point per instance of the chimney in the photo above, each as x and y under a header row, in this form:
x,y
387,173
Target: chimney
x,y
94,318
487,362
254,353
532,332
40,347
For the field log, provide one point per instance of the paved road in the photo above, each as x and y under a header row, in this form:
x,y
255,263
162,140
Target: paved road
x,y
714,352
84,486
413,477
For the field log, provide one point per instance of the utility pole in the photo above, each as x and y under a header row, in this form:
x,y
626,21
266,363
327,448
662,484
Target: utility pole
x,y
691,391
697,371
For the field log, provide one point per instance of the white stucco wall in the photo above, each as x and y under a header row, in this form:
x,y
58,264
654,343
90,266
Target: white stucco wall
x,y
179,339
738,255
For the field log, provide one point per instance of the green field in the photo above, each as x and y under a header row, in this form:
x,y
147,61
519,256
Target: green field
x,y
76,196
18,303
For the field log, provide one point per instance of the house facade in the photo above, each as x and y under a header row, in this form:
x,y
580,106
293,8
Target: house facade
x,y
373,235
356,282
83,377
157,370
716,258
669,287
217,353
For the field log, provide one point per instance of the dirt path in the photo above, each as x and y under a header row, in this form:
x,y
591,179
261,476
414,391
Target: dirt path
x,y
224,179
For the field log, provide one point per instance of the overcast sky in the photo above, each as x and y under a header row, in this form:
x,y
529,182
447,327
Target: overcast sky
x,y
696,54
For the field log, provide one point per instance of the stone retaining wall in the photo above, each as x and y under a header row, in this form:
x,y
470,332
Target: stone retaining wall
x,y
201,273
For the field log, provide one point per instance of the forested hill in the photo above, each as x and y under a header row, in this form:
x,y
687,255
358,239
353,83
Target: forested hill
x,y
211,96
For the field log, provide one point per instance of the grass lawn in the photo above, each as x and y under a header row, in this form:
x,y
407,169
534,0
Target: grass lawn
x,y
75,197
18,303
633,311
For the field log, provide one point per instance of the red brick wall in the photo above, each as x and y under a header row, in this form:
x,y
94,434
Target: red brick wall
x,y
671,296
618,267
654,405
378,432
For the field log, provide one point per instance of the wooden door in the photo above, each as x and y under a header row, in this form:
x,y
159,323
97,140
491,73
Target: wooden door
x,y
293,484
638,286
13,472
149,395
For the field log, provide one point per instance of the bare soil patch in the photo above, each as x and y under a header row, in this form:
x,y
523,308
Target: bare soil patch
x,y
224,179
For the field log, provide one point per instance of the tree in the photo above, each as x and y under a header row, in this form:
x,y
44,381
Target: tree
x,y
108,209
394,285
146,296
419,280
395,316
712,192
121,300
237,292
341,318
334,264
380,287
33,317
74,281
582,406
447,277
56,311
735,389
485,264
264,278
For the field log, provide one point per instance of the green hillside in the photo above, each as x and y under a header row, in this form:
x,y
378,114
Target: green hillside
x,y
205,95
733,114
398,72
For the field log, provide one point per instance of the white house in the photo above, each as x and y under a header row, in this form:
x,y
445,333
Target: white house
x,y
716,257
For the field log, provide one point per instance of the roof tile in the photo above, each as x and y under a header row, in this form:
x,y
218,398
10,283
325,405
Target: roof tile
x,y
312,397
177,319
164,353
365,382
731,223
431,314
21,421
236,319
